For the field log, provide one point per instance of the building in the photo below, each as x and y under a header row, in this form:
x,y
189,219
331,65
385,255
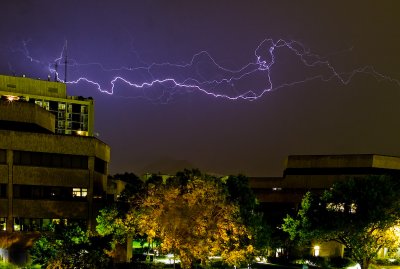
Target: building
x,y
73,114
316,173
50,171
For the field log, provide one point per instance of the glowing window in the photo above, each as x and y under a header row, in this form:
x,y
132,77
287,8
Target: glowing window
x,y
61,106
79,192
316,251
3,224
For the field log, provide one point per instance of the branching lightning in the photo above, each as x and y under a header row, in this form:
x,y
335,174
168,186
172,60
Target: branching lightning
x,y
205,75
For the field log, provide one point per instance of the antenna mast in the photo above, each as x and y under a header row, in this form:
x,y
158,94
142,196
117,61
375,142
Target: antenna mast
x,y
65,62
56,71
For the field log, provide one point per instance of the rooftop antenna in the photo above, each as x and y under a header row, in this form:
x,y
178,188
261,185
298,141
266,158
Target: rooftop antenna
x,y
56,71
65,62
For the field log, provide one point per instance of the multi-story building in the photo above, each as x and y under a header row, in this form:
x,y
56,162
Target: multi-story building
x,y
46,175
282,195
73,114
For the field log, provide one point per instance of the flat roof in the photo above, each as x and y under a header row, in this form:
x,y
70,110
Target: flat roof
x,y
343,161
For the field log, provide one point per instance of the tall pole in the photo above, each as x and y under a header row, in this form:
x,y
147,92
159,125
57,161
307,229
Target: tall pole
x,y
56,71
65,62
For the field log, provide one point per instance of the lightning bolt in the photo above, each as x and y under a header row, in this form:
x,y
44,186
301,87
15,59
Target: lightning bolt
x,y
205,75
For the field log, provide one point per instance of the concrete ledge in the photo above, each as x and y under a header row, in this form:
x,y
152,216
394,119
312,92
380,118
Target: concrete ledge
x,y
31,115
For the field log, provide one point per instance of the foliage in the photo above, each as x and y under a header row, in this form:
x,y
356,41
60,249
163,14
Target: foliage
x,y
69,246
134,186
112,220
192,217
363,215
239,192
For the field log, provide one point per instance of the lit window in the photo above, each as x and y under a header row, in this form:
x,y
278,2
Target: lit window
x,y
61,106
79,192
17,224
316,251
276,189
3,224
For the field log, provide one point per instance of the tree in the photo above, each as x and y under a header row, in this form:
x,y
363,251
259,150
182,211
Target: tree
x,y
240,193
360,213
68,246
193,219
112,219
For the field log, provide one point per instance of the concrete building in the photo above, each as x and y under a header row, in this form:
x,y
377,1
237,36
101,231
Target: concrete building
x,y
47,173
316,173
73,114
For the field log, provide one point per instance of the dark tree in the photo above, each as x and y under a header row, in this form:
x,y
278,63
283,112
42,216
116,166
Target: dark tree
x,y
360,213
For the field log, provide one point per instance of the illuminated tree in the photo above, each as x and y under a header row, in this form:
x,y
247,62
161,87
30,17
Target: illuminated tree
x,y
113,220
360,213
193,219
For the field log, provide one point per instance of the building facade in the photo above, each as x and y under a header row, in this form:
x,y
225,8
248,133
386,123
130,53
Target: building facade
x,y
315,173
73,114
47,174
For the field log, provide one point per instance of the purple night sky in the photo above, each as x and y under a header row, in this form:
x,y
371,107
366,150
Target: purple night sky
x,y
165,127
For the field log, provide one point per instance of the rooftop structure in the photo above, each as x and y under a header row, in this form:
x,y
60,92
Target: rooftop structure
x,y
74,115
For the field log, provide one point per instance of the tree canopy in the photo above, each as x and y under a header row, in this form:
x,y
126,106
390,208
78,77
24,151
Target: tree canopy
x,y
360,213
194,216
69,246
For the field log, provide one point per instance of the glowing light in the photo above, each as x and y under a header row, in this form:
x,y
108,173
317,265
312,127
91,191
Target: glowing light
x,y
222,82
316,251
82,133
11,98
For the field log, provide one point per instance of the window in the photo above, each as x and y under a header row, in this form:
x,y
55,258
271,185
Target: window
x,y
3,190
61,114
34,224
50,160
3,224
46,105
3,156
84,109
79,192
61,106
33,192
100,165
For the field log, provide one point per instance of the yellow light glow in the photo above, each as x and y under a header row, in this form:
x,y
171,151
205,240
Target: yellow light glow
x,y
79,132
316,251
11,98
